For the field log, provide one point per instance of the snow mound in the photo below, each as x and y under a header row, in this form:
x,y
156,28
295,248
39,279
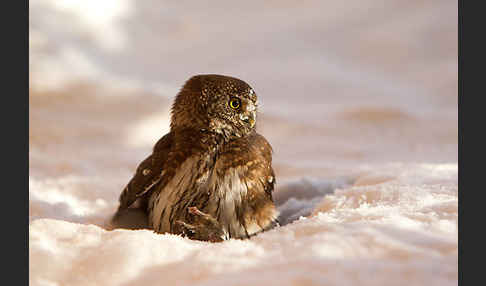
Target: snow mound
x,y
400,232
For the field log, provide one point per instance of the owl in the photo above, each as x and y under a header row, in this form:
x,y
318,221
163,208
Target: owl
x,y
211,177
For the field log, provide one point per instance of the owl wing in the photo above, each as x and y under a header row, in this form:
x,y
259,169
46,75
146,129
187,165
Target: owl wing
x,y
261,173
263,161
268,175
251,159
149,173
254,154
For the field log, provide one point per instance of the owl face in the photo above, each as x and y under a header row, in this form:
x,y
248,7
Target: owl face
x,y
232,107
222,104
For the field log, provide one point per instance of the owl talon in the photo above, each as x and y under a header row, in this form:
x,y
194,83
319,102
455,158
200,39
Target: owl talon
x,y
196,211
205,216
205,228
187,229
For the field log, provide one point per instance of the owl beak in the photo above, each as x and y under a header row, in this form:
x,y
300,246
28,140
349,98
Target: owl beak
x,y
249,117
252,119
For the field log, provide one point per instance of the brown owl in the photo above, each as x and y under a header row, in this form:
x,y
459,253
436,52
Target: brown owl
x,y
211,177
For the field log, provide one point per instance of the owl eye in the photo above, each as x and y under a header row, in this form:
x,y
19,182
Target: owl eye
x,y
235,103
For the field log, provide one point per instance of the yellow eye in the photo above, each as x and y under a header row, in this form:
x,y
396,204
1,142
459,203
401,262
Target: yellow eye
x,y
235,103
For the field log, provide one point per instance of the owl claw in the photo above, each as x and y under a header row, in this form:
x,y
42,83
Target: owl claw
x,y
196,211
205,216
187,228
185,224
205,228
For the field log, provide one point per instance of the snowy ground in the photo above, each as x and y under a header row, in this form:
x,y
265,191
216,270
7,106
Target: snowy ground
x,y
359,103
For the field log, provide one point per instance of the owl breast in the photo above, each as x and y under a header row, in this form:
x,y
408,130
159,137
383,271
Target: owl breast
x,y
204,182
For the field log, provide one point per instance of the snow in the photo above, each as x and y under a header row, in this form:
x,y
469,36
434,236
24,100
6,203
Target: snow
x,y
393,233
358,100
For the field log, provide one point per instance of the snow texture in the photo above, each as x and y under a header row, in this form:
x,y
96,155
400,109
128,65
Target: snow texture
x,y
359,101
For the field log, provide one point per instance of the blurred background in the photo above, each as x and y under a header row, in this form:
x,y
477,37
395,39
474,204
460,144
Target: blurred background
x,y
345,86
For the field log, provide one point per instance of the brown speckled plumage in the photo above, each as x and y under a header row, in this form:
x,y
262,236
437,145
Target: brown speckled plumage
x,y
211,177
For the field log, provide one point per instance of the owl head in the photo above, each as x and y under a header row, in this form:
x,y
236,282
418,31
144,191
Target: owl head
x,y
217,103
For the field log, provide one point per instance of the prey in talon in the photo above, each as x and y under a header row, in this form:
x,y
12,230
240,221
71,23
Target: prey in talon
x,y
205,227
211,177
